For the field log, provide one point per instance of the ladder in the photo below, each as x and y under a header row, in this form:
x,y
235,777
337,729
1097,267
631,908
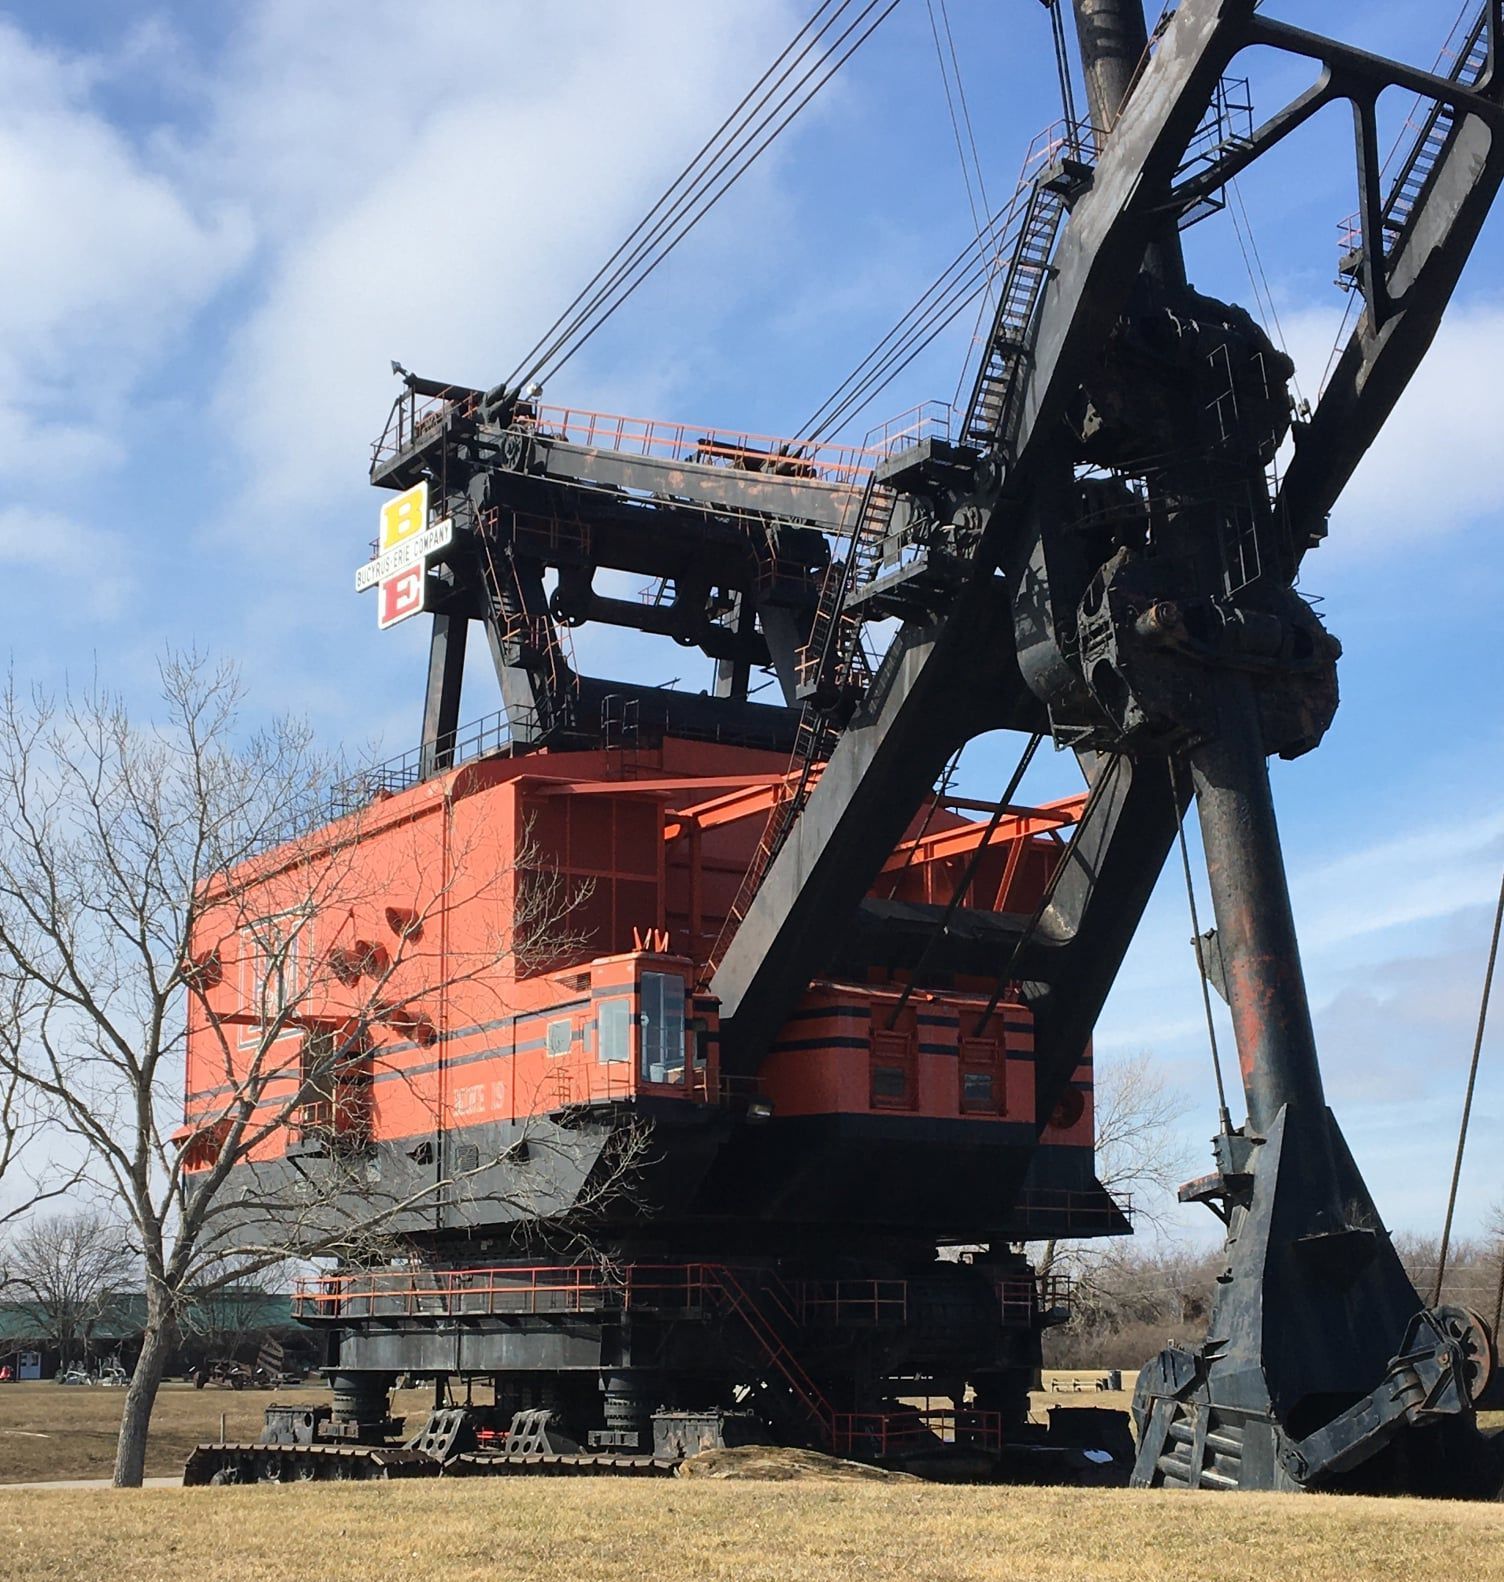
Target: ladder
x,y
533,637
833,666
833,660
1033,227
1469,64
739,1301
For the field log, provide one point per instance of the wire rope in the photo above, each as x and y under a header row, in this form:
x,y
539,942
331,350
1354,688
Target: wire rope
x,y
627,286
971,136
1257,276
959,284
955,123
706,149
1200,944
1467,1103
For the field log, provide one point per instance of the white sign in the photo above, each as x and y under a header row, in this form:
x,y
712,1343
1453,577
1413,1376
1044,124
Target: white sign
x,y
399,569
413,552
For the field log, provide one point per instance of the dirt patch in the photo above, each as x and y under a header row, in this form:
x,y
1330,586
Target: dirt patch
x,y
774,1464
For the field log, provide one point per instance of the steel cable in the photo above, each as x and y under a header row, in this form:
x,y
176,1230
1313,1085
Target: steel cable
x,y
1467,1103
1206,993
560,325
629,277
958,285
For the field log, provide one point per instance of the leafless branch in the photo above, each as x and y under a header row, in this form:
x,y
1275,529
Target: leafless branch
x,y
182,878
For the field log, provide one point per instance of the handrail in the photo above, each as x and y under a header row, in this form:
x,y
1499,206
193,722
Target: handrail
x,y
553,1289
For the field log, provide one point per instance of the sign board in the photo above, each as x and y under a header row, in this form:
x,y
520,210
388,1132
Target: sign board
x,y
399,569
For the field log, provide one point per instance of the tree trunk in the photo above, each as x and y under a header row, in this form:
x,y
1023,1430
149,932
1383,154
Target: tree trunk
x,y
141,1393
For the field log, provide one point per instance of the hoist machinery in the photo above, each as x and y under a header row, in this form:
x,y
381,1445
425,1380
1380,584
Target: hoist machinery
x,y
713,1060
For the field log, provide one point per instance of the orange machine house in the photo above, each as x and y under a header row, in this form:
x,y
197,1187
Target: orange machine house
x,y
527,936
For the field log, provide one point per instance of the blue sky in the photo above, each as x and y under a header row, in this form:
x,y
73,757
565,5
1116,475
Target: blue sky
x,y
222,221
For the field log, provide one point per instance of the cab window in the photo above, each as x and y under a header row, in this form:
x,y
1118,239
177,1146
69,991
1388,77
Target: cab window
x,y
662,1027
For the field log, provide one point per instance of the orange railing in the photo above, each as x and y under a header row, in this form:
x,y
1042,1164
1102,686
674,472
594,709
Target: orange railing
x,y
551,1289
881,1434
1021,1298
414,416
697,444
848,466
577,1288
835,1302
584,1288
1062,139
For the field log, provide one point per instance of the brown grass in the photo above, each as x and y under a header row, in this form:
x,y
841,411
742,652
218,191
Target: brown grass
x,y
68,1431
53,1431
622,1531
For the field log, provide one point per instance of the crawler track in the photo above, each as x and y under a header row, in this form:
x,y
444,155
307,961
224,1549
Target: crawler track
x,y
489,1463
249,1462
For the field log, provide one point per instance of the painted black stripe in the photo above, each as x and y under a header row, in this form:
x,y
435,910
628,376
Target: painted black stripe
x,y
814,1013
822,1043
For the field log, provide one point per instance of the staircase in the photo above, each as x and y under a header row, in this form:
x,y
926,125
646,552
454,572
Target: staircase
x,y
534,637
1034,224
833,657
735,1299
834,669
1469,63
832,665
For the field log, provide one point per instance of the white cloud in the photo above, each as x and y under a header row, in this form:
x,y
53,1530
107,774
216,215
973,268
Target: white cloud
x,y
80,563
1402,880
438,215
104,260
1429,473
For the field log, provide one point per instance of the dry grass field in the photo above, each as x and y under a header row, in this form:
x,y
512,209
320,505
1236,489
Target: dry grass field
x,y
702,1529
68,1431
693,1531
52,1431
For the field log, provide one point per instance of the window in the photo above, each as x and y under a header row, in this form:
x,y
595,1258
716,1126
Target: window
x,y
560,1036
336,1090
893,1079
976,1091
982,1077
662,1027
616,1031
890,1085
276,955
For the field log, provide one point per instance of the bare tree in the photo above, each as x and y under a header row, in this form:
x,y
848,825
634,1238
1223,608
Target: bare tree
x,y
177,890
1139,1152
70,1268
1494,1230
22,1125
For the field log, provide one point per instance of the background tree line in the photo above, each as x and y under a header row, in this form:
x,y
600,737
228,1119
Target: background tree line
x,y
1132,1297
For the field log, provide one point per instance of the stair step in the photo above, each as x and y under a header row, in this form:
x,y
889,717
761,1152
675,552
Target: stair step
x,y
1223,1441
